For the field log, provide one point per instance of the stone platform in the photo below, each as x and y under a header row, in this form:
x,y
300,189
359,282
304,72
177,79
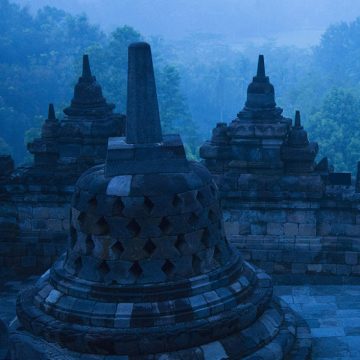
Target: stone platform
x,y
271,321
332,313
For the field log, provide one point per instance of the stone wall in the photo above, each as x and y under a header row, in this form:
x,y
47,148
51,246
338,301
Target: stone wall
x,y
294,238
33,224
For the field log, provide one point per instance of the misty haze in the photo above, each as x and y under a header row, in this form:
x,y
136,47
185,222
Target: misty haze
x,y
179,179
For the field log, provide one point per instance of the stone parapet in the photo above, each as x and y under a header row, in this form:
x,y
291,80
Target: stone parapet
x,y
312,237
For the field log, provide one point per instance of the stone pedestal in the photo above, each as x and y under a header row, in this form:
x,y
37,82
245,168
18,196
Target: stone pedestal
x,y
4,341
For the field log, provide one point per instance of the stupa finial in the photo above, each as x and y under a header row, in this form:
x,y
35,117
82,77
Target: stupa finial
x,y
86,71
51,112
88,100
261,67
297,119
143,120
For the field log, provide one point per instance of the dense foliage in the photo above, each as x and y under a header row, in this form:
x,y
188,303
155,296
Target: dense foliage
x,y
200,80
40,59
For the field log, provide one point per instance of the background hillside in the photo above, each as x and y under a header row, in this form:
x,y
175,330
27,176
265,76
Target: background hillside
x,y
205,56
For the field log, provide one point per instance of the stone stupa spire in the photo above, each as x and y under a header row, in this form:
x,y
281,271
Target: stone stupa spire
x,y
88,100
261,67
51,112
147,150
297,152
50,127
143,120
297,119
260,93
86,71
298,136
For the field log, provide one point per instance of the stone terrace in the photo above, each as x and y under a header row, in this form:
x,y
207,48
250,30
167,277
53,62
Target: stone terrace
x,y
331,311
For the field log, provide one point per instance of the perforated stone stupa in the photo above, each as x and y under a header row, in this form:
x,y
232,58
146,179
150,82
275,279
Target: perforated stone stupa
x,y
149,273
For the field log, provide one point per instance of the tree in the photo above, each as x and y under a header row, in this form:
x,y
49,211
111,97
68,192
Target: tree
x,y
336,127
175,115
109,61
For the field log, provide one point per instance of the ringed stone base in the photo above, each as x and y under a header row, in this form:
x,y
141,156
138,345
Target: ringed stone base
x,y
278,333
3,340
293,342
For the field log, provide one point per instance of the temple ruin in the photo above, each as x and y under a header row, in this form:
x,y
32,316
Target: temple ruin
x,y
289,214
34,218
152,256
148,272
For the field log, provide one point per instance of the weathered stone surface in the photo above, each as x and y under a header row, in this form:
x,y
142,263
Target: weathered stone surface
x,y
36,197
149,273
271,187
143,125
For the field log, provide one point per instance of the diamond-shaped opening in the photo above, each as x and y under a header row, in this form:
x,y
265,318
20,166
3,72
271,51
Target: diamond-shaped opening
x,y
136,269
89,245
149,247
77,265
104,268
177,201
148,205
168,267
93,203
200,197
134,227
180,243
101,227
205,237
118,207
212,216
118,248
213,189
193,219
196,264
82,218
165,225
76,197
77,193
73,236
217,254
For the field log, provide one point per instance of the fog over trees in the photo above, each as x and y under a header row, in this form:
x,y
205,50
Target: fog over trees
x,y
290,21
205,54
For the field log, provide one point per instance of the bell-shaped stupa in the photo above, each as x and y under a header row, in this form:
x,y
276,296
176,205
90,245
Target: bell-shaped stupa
x,y
149,273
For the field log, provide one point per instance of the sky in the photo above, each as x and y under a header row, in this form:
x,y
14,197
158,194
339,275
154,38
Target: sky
x,y
289,22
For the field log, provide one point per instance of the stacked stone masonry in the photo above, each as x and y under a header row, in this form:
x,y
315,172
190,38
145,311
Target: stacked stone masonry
x,y
287,213
148,272
35,198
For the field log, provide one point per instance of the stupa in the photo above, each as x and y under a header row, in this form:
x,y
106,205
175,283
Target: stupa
x,y
251,142
297,152
148,272
72,145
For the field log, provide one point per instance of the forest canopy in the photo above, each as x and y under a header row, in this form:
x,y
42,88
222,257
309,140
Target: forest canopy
x,y
200,80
